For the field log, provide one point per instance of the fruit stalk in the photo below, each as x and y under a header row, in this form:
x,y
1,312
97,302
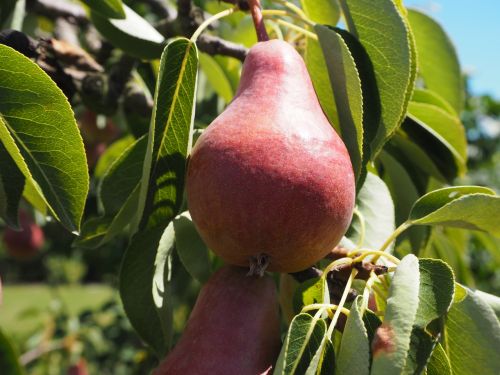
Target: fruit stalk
x,y
258,20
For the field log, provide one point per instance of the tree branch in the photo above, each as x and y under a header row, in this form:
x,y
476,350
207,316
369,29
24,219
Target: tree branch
x,y
57,8
217,46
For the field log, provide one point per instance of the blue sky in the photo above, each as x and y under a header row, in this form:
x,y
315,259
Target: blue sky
x,y
474,27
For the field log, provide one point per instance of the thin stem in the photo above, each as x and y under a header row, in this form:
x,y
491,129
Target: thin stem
x,y
341,303
326,306
258,20
41,350
299,12
334,264
377,253
209,20
298,28
362,226
395,234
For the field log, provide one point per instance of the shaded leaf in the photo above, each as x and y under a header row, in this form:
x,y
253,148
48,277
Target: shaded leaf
x,y
346,85
323,361
11,187
404,194
169,139
9,363
375,204
316,66
304,336
107,8
133,34
122,177
421,347
6,9
354,355
437,286
471,207
392,339
136,292
112,152
383,33
216,77
40,133
445,127
191,249
437,59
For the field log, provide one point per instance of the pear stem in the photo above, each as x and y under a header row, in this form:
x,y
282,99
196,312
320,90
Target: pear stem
x,y
258,20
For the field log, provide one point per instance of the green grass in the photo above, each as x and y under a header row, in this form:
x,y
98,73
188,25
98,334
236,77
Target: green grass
x,y
26,307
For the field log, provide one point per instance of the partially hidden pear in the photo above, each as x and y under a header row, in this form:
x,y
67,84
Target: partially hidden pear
x,y
270,178
234,328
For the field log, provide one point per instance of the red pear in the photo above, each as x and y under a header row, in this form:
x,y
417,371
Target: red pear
x,y
270,177
25,243
234,328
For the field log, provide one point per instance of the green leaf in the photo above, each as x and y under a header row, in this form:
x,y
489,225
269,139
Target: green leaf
x,y
136,287
326,12
437,287
471,207
133,34
439,363
122,177
169,140
161,288
111,153
304,336
354,354
442,246
191,249
437,60
433,98
374,204
404,194
9,362
93,232
309,292
472,337
323,361
40,133
384,34
107,8
392,338
491,300
11,187
316,66
346,85
445,127
421,347
216,77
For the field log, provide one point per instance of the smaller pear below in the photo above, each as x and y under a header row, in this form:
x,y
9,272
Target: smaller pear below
x,y
234,328
269,182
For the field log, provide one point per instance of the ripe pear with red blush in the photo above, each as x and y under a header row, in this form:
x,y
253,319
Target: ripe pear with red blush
x,y
270,180
234,328
25,243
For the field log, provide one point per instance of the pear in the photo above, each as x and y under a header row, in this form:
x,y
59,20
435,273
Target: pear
x,y
269,182
234,328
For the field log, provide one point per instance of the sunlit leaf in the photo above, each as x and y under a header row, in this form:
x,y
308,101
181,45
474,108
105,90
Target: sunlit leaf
x,y
39,132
